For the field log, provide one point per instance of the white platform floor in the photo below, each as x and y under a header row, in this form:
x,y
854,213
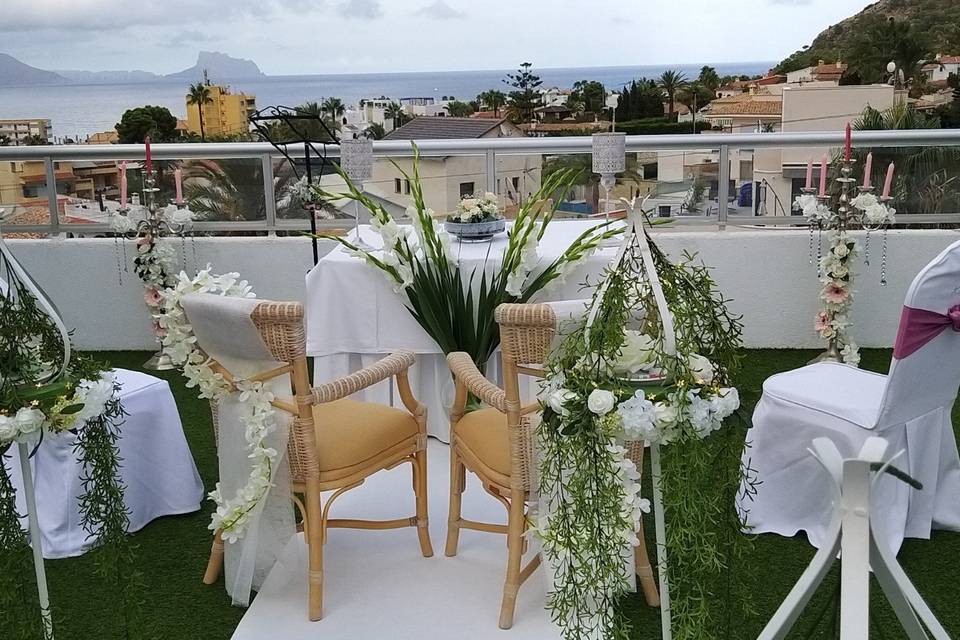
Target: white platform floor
x,y
379,586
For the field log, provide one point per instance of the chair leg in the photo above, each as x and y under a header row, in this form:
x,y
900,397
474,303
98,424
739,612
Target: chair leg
x,y
645,572
420,490
516,525
457,486
215,563
315,534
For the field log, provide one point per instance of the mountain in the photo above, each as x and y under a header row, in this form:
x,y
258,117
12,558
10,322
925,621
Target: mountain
x,y
15,73
934,21
219,66
107,77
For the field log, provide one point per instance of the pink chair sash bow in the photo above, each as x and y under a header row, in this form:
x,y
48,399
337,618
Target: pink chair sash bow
x,y
920,326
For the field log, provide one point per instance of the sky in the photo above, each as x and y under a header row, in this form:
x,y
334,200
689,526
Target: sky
x,y
357,36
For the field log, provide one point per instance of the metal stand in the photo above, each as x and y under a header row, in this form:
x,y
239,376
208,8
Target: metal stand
x,y
36,541
851,533
660,526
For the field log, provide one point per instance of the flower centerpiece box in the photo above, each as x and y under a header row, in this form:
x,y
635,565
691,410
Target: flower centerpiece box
x,y
477,217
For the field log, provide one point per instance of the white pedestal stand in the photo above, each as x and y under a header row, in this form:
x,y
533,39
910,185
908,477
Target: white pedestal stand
x,y
851,534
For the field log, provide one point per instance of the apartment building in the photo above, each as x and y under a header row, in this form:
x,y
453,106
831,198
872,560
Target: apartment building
x,y
17,131
226,114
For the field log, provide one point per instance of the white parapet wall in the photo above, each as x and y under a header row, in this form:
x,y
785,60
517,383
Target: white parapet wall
x,y
766,273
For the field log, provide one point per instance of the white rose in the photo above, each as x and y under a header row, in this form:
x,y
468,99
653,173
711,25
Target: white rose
x,y
727,401
558,399
28,420
469,203
8,429
841,250
665,415
601,401
700,367
636,353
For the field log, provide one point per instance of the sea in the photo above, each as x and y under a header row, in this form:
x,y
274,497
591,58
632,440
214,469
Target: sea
x,y
77,110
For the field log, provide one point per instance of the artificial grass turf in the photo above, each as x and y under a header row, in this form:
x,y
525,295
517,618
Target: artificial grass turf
x,y
173,551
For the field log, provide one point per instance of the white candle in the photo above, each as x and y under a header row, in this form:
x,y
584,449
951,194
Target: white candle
x,y
178,184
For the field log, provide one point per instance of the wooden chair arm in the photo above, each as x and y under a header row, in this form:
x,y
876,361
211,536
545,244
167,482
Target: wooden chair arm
x,y
466,372
396,364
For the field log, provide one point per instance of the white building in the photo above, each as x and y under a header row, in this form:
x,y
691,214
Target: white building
x,y
942,67
446,179
18,130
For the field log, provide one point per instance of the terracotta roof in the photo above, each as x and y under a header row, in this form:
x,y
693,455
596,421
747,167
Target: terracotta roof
x,y
948,60
486,114
439,127
103,137
747,108
771,80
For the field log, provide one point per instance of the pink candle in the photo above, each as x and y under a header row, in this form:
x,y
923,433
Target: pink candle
x,y
867,169
123,184
146,141
823,175
848,144
178,184
809,173
888,183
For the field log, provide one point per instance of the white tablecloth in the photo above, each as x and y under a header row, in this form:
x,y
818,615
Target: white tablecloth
x,y
355,318
157,468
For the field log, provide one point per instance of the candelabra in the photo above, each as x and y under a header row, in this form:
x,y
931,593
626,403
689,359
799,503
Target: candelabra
x,y
851,205
155,225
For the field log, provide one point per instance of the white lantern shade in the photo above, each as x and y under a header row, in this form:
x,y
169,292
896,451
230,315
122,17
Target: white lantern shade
x,y
356,159
609,153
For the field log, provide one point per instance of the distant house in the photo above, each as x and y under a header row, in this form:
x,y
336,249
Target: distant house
x,y
448,178
553,113
942,67
103,137
822,72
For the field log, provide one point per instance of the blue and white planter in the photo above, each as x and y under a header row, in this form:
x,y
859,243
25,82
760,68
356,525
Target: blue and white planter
x,y
474,231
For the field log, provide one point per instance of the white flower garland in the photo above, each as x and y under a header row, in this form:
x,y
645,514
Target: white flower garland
x,y
25,424
258,415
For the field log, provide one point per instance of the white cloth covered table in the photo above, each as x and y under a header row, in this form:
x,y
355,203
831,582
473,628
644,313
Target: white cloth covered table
x,y
354,317
157,468
910,407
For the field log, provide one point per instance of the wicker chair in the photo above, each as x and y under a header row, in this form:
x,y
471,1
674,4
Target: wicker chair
x,y
497,444
336,443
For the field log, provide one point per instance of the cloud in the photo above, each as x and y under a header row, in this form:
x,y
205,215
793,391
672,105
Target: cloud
x,y
190,37
441,10
366,9
89,15
791,3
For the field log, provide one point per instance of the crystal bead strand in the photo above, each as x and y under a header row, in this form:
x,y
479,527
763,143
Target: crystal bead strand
x,y
883,260
193,246
819,249
116,251
866,249
810,249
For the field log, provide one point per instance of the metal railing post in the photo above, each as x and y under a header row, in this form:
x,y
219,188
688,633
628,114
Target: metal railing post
x,y
269,199
492,171
723,189
52,195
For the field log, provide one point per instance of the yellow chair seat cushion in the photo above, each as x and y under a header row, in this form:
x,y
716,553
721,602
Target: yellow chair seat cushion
x,y
351,433
484,434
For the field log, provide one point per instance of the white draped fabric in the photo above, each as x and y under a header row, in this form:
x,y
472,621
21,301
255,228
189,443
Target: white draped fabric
x,y
225,331
157,468
354,317
910,408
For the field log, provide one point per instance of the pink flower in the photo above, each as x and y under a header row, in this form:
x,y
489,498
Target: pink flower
x,y
152,298
835,293
822,321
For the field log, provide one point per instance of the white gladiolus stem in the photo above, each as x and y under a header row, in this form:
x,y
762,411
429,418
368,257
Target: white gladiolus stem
x,y
36,541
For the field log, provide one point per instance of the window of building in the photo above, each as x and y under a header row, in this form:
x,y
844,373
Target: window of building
x,y
396,185
406,186
516,183
466,189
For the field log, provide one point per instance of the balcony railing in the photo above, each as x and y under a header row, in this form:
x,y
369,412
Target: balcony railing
x,y
719,146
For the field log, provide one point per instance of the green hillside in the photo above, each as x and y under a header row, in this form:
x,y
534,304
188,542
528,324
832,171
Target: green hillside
x,y
920,29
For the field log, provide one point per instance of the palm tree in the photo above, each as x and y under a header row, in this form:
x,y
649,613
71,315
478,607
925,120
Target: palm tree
x,y
4,140
232,190
709,78
671,81
928,178
395,112
333,107
375,131
493,100
199,94
458,109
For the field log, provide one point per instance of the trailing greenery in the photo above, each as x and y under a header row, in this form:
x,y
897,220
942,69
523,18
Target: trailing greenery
x,y
589,496
659,126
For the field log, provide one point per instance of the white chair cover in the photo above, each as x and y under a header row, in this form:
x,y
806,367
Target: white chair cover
x,y
225,331
910,408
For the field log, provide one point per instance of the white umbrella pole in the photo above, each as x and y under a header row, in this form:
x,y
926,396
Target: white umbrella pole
x,y
661,531
35,541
